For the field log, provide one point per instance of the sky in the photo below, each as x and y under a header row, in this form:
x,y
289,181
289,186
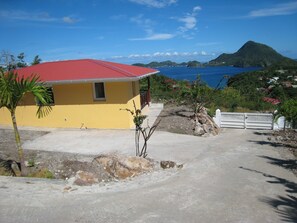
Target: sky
x,y
140,31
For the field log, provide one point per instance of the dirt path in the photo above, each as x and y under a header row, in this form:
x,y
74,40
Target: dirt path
x,y
237,176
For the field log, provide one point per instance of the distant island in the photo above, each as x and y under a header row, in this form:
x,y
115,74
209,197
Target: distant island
x,y
169,63
251,54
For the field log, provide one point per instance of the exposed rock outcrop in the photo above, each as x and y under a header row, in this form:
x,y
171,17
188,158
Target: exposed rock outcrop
x,y
205,125
122,167
83,178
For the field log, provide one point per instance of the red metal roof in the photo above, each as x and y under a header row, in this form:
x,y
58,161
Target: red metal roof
x,y
273,101
85,70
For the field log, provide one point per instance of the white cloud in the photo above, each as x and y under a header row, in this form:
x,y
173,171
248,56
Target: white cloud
x,y
35,16
197,8
203,53
155,3
189,20
160,36
280,9
147,25
164,55
141,21
23,15
70,20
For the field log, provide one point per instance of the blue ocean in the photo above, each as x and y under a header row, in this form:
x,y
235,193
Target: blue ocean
x,y
210,75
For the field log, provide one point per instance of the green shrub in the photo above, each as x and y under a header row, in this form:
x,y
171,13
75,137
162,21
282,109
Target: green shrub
x,y
42,173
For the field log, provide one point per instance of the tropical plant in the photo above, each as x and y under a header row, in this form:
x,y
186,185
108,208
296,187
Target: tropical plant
x,y
288,109
146,133
12,90
36,60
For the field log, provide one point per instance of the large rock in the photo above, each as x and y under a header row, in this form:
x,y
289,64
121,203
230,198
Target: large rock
x,y
122,167
83,178
166,164
204,124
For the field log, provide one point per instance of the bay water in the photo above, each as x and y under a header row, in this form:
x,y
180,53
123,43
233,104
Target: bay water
x,y
210,75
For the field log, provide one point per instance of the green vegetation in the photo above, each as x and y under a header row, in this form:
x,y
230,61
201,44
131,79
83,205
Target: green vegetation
x,y
42,173
244,92
278,83
194,93
253,54
166,63
9,62
169,63
289,110
194,63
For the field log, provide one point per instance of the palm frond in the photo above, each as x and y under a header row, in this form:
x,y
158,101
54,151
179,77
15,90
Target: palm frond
x,y
13,88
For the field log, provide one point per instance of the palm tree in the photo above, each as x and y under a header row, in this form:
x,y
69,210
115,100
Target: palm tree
x,y
12,90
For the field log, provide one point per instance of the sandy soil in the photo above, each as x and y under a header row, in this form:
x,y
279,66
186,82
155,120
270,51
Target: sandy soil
x,y
176,119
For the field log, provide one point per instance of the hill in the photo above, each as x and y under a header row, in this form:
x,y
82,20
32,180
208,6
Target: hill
x,y
154,64
253,54
169,63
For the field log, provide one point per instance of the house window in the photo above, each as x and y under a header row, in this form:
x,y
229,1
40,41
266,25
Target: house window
x,y
51,100
99,91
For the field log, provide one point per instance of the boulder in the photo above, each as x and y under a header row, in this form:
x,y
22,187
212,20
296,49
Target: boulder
x,y
204,124
122,167
170,164
83,178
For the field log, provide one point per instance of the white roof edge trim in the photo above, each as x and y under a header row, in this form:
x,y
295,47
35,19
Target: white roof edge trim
x,y
124,79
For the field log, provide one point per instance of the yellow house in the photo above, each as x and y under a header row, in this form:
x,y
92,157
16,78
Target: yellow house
x,y
86,94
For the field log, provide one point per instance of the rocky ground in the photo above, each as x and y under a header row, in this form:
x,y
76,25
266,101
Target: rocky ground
x,y
180,119
80,169
62,165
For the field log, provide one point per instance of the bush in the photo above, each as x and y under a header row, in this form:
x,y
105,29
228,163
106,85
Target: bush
x,y
288,109
42,173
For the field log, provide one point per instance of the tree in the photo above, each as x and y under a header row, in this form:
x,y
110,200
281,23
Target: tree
x,y
198,95
146,133
12,90
36,60
7,60
21,62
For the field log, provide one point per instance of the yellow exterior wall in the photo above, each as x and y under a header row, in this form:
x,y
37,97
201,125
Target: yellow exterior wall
x,y
75,107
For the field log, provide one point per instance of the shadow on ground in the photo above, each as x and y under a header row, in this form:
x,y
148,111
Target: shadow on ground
x,y
284,206
271,143
263,133
181,113
287,164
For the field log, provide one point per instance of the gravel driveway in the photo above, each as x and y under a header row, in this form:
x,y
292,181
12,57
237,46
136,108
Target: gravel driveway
x,y
238,176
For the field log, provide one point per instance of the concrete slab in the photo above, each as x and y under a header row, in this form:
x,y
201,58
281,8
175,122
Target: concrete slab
x,y
154,111
90,141
85,141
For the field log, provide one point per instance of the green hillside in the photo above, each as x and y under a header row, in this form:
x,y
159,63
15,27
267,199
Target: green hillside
x,y
253,54
169,63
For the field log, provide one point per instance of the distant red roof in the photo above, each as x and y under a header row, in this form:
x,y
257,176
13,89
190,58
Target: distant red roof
x,y
85,70
271,100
